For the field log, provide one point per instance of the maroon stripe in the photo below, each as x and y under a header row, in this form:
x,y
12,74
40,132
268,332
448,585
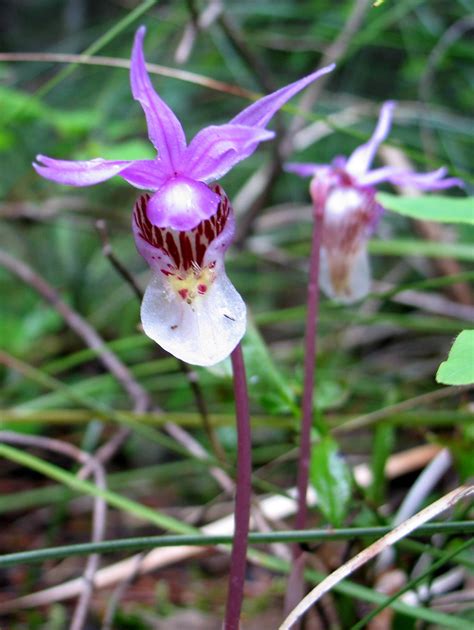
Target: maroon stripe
x,y
173,250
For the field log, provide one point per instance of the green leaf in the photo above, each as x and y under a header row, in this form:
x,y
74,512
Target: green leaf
x,y
265,381
331,479
384,440
458,369
431,207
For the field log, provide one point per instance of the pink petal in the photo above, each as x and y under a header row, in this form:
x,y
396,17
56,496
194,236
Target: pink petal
x,y
181,203
203,333
85,173
146,174
259,113
305,169
164,129
345,278
426,181
216,149
378,175
361,159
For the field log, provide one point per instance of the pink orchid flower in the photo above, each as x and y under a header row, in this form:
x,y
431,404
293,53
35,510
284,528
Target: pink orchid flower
x,y
345,191
179,175
184,227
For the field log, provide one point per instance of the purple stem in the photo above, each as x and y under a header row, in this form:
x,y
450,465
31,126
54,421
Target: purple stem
x,y
312,316
243,492
295,582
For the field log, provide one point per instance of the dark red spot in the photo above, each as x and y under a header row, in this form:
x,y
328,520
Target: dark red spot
x,y
183,293
202,288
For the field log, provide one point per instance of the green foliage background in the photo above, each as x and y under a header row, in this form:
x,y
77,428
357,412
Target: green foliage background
x,y
371,356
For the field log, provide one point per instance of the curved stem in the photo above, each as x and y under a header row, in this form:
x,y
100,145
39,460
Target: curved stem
x,y
242,495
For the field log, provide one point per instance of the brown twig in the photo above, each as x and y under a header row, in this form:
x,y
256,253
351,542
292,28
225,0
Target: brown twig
x,y
373,417
99,510
93,340
198,22
81,327
114,62
119,267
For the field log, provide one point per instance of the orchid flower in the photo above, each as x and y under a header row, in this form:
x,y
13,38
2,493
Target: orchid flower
x,y
184,227
179,175
345,190
190,307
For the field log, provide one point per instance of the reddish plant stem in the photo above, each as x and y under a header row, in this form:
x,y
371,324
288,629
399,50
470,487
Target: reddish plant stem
x,y
243,491
312,317
295,581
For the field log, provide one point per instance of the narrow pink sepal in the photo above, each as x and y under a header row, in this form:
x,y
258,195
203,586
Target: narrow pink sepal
x,y
78,173
361,159
164,129
260,112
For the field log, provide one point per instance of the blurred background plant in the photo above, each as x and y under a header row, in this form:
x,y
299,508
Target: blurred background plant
x,y
376,395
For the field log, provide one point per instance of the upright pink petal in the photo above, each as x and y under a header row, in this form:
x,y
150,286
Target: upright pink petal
x,y
164,129
260,112
216,149
361,159
76,173
181,203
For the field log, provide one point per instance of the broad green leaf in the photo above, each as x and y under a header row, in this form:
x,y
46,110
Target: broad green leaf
x,y
431,207
330,476
458,369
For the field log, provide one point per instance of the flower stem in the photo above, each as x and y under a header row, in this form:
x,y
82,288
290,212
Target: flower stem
x,y
295,582
312,317
242,495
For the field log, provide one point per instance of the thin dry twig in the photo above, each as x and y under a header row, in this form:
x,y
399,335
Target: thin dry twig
x,y
423,399
415,497
403,530
99,511
81,327
115,62
120,268
198,22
